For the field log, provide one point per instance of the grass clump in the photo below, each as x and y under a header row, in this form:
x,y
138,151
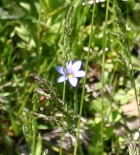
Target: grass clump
x,y
98,114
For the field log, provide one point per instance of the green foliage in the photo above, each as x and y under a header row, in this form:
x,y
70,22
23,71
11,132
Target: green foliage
x,y
35,36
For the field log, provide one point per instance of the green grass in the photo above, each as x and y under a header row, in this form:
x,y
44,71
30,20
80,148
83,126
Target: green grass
x,y
40,116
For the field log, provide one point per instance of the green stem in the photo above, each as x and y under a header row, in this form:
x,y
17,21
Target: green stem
x,y
64,92
75,102
38,35
102,78
66,53
62,134
83,88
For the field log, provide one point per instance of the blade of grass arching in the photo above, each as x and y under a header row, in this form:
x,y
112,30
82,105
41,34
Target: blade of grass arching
x,y
102,77
83,88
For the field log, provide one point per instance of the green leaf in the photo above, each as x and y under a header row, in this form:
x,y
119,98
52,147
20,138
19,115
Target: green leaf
x,y
38,146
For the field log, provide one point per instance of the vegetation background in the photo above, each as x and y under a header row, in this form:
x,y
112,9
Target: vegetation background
x,y
38,115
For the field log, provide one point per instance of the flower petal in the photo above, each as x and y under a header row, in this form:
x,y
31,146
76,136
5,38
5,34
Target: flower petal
x,y
69,66
76,65
60,69
80,74
61,79
73,81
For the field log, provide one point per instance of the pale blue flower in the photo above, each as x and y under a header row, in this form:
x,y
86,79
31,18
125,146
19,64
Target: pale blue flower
x,y
71,73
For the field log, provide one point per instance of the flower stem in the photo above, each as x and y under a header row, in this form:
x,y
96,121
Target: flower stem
x,y
66,54
75,102
83,88
62,134
102,78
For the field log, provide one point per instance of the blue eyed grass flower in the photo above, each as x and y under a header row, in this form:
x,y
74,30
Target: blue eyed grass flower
x,y
72,72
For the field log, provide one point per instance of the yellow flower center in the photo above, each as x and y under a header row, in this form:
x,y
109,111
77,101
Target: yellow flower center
x,y
70,75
